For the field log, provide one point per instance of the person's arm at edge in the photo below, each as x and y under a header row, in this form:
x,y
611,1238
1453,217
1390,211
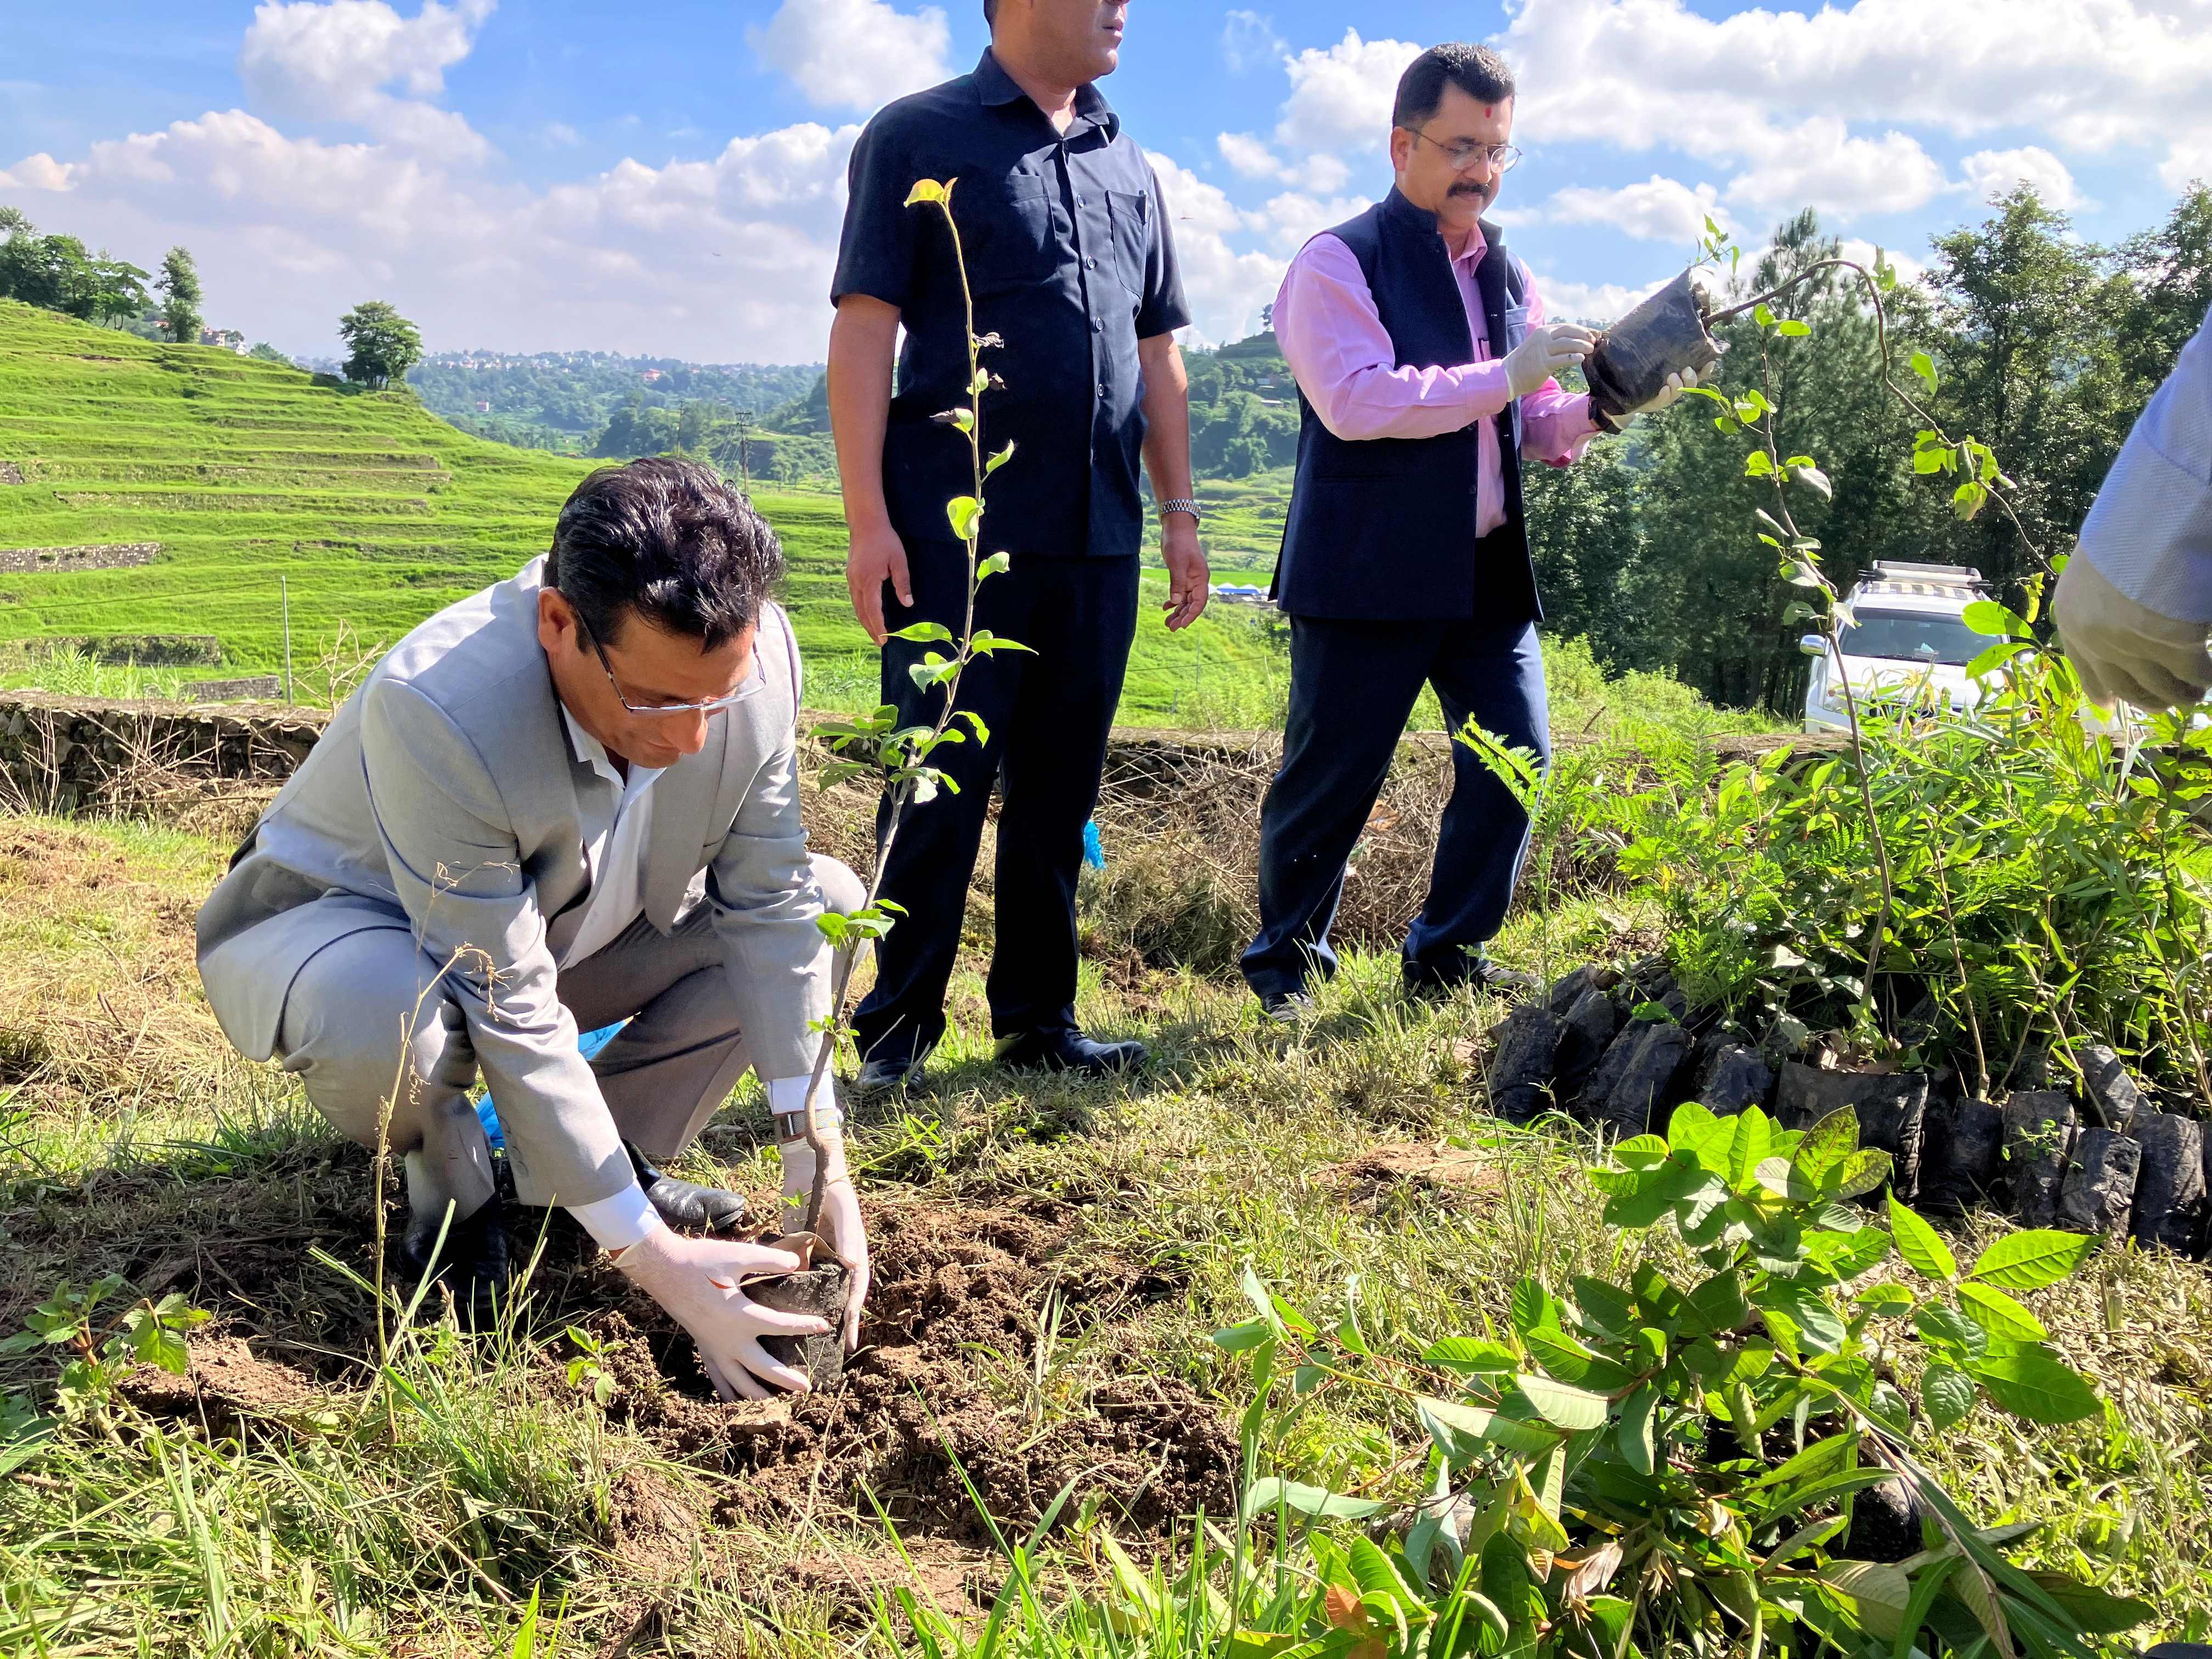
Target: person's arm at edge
x,y
863,346
2149,530
1341,356
1167,457
1556,427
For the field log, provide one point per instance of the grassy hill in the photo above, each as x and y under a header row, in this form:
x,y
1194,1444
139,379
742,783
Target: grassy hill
x,y
374,514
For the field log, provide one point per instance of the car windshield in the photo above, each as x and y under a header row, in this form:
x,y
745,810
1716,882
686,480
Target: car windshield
x,y
1905,637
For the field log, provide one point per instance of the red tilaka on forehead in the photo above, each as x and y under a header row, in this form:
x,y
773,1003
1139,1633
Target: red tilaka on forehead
x,y
1488,112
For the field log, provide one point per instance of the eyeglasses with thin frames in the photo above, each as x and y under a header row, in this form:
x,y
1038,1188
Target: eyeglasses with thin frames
x,y
712,706
1466,153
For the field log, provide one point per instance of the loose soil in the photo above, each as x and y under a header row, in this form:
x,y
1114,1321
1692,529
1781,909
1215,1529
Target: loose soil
x,y
953,1286
1450,1172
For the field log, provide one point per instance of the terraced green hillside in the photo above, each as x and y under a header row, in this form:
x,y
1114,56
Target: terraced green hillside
x,y
374,512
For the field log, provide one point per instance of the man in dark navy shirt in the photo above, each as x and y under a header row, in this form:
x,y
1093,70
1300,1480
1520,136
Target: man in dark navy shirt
x,y
1071,263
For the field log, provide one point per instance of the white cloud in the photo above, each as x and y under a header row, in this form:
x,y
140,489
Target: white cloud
x,y
559,135
1249,41
1818,164
1600,305
1340,96
1660,209
855,54
1861,251
1254,158
1995,171
724,259
332,59
1248,156
1225,287
39,172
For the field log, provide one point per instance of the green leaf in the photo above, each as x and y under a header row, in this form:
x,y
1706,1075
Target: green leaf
x,y
1569,1407
1999,1314
1532,1308
927,191
1759,465
1881,1594
1605,1306
1749,1148
1269,1491
997,565
1925,366
1920,1245
924,633
1826,1144
1947,1394
2033,1384
1791,328
1638,1435
2032,1260
1864,1171
1461,1431
965,515
1814,480
1836,1455
1817,1325
1718,1304
1252,1334
997,460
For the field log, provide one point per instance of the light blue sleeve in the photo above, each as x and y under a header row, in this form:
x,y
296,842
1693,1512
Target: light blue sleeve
x,y
2149,532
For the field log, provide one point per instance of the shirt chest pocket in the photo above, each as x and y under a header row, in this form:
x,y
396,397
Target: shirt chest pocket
x,y
1131,214
1007,231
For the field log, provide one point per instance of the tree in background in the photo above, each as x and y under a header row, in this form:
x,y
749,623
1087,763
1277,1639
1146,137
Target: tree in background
x,y
263,352
180,286
381,344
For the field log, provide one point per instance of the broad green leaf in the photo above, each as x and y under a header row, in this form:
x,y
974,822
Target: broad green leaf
x,y
1827,1144
1881,1593
1947,1394
1942,1325
997,460
1718,1304
1470,1353
1864,1171
924,633
2095,1610
1638,1426
1813,1323
1606,1306
1998,1314
1271,1489
1814,480
1238,1338
965,515
2033,1384
996,565
1836,1455
1461,1431
926,190
1532,1308
1925,366
1759,465
1791,328
1373,1572
1920,1245
1749,1148
1645,1153
1569,1407
2030,1261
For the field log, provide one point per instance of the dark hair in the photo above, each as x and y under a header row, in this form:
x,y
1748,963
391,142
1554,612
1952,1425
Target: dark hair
x,y
1477,71
669,540
991,11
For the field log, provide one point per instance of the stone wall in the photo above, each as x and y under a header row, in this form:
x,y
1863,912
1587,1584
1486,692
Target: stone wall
x,y
65,754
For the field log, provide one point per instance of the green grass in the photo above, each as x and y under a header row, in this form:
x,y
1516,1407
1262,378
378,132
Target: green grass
x,y
413,1502
258,479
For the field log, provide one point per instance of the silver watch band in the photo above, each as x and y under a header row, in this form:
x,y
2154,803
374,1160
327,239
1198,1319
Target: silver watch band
x,y
1189,507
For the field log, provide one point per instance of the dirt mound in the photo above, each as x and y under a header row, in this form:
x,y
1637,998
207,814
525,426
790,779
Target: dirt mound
x,y
952,1285
228,1385
1453,1172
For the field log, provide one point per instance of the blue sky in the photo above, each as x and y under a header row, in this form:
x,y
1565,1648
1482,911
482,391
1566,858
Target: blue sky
x,y
541,175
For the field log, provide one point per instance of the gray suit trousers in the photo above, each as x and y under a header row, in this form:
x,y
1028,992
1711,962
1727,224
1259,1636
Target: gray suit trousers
x,y
364,1023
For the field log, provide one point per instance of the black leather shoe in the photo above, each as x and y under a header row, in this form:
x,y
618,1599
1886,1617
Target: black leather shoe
x,y
1483,975
686,1204
894,1072
1069,1051
472,1263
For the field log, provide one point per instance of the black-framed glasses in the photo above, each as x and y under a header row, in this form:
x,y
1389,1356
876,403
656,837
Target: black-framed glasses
x,y
712,706
1466,152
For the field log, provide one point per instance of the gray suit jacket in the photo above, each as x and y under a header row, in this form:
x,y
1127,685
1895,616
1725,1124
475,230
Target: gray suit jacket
x,y
444,798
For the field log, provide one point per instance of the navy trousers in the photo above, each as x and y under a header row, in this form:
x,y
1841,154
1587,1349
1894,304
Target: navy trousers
x,y
1352,687
1050,715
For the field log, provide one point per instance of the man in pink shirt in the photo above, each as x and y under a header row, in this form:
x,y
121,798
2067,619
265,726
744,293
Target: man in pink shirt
x,y
1424,369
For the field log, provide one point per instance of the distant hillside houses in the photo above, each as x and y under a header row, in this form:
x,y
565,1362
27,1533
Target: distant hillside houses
x,y
229,338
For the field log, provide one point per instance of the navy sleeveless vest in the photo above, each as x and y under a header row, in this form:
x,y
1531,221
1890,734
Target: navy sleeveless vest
x,y
1384,530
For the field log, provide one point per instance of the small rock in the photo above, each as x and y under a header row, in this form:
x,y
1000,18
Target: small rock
x,y
1523,1063
1587,1030
1962,1161
2032,1072
2111,1089
2039,1126
2170,1196
1892,1108
1735,1077
2099,1194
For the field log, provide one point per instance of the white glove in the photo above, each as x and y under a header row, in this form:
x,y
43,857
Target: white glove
x,y
2123,649
696,1280
1675,386
1544,353
842,1230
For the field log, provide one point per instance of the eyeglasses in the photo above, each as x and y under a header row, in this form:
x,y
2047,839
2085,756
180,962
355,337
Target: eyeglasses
x,y
1466,153
712,706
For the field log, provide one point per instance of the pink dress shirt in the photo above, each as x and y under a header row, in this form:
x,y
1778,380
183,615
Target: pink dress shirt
x,y
1342,358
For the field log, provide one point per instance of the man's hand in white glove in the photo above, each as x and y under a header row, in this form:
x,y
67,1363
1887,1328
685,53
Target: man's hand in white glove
x,y
696,1280
2123,649
1675,386
842,1228
1544,353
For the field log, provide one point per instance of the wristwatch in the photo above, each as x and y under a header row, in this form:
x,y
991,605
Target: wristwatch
x,y
1189,507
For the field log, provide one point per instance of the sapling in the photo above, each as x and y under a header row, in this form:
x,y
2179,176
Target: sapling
x,y
876,742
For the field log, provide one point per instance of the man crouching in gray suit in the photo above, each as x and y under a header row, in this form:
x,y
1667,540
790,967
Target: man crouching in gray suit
x,y
568,801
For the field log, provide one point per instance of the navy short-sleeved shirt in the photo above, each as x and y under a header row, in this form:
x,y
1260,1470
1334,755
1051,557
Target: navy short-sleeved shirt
x,y
1072,264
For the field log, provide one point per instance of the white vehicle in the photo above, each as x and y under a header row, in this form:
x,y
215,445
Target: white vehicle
x,y
1908,644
